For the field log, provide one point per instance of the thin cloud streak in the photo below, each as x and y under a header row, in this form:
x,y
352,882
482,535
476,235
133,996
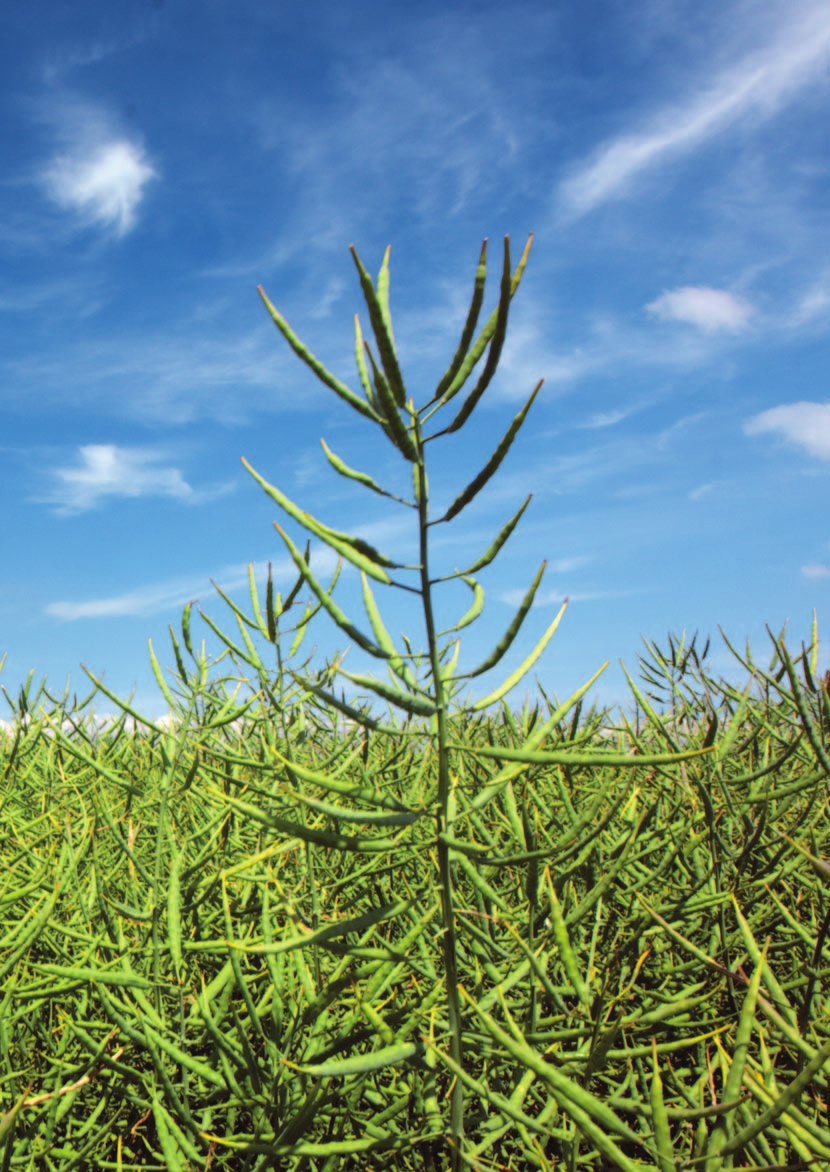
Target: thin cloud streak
x,y
761,85
105,470
164,596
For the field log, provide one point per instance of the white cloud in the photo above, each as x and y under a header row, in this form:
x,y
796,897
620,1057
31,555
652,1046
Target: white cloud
x,y
104,470
97,171
103,182
816,571
807,424
708,309
758,87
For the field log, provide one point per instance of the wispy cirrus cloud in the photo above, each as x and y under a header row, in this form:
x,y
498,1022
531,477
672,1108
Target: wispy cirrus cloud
x,y
157,597
805,424
711,310
757,88
816,571
104,471
813,306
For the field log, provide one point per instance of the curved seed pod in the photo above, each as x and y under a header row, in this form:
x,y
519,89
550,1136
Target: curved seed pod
x,y
813,734
469,325
350,813
785,1099
241,617
590,1113
160,680
480,344
358,552
186,628
512,631
363,373
398,665
475,610
493,551
348,789
394,1055
383,294
383,334
662,1132
360,547
350,473
595,760
397,432
326,838
259,621
174,919
272,611
735,1077
563,943
298,585
325,376
410,702
475,486
496,344
234,648
522,670
364,719
328,602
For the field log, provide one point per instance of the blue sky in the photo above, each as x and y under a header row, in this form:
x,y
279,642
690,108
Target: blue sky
x,y
163,159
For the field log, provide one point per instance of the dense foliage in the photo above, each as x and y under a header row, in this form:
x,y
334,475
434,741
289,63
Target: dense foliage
x,y
221,947
292,929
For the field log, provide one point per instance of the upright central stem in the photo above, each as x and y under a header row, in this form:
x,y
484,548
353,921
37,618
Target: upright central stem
x,y
442,813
